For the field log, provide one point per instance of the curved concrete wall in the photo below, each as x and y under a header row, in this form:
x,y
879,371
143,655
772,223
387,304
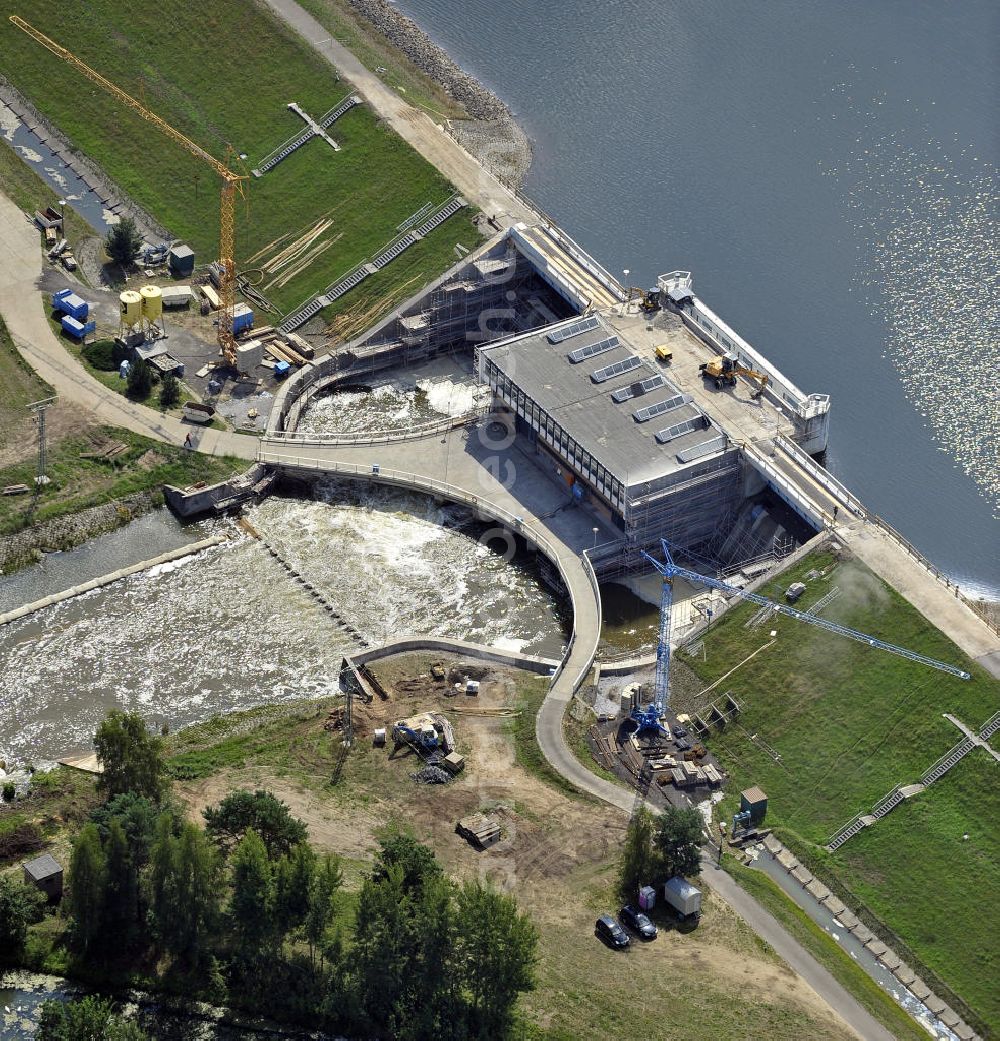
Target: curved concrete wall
x,y
542,666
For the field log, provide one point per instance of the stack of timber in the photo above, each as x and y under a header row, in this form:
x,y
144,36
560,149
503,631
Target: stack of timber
x,y
481,831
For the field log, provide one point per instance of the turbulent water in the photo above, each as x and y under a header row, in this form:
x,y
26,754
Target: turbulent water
x,y
827,172
392,405
229,628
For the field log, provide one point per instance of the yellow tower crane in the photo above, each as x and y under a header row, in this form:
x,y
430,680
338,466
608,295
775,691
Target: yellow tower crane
x,y
231,182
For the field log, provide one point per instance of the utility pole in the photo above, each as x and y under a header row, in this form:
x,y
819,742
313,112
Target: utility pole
x,y
39,409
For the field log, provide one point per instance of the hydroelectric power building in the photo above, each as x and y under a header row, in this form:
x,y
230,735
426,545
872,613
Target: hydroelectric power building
x,y
638,436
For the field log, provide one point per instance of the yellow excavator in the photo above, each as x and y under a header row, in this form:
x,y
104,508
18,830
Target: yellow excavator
x,y
724,371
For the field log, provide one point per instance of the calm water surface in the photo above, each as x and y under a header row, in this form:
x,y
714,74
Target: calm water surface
x,y
827,172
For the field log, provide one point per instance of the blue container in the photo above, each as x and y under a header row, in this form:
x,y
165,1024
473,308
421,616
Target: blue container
x,y
242,319
69,303
75,328
281,369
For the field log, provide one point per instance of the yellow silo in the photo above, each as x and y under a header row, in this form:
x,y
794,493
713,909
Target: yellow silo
x,y
131,309
152,303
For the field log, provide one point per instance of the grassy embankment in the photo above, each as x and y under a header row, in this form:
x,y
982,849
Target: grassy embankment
x,y
556,854
361,38
368,188
850,723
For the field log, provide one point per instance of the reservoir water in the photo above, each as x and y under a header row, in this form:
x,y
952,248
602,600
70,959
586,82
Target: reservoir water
x,y
828,174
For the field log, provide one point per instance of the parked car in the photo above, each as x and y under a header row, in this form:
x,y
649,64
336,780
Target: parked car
x,y
638,922
611,932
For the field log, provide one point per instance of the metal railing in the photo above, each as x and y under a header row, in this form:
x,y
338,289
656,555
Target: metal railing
x,y
822,476
375,437
559,554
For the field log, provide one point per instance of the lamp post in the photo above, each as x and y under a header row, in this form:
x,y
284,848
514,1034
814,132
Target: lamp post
x,y
625,301
595,530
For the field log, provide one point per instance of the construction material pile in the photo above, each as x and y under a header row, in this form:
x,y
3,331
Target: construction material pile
x,y
431,775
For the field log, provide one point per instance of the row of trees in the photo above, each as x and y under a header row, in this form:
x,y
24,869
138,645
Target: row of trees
x,y
657,848
245,911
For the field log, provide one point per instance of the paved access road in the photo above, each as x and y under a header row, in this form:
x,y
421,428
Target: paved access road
x,y
476,474
22,307
415,127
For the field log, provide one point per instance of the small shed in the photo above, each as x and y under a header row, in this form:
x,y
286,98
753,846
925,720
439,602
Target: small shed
x,y
755,801
180,261
45,874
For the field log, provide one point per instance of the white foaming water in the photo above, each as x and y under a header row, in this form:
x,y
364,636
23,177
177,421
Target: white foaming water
x,y
229,628
8,122
395,402
29,153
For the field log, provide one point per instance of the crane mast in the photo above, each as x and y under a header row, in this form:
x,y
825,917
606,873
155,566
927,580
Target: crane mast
x,y
231,182
648,718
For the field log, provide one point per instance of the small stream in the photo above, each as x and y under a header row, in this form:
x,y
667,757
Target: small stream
x,y
765,862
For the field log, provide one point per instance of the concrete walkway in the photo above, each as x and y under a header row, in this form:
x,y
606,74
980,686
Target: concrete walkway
x,y
472,471
22,308
942,607
413,126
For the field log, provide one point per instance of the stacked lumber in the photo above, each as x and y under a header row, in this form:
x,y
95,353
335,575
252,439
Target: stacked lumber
x,y
481,831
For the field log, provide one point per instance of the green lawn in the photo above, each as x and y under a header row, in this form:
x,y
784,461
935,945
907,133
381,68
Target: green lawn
x,y
850,723
364,41
224,75
77,483
19,386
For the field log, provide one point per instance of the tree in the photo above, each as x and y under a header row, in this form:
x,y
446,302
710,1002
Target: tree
x,y
638,863
326,880
131,757
89,1019
123,242
267,815
120,917
184,882
292,878
139,383
170,391
417,861
20,906
383,949
678,840
251,908
497,950
85,897
137,815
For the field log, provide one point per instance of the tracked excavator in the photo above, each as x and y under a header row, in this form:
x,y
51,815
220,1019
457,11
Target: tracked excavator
x,y
724,371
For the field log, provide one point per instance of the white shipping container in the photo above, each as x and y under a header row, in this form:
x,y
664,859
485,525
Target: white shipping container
x,y
682,896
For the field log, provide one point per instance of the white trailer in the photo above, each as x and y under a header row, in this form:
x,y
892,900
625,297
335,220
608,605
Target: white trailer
x,y
683,897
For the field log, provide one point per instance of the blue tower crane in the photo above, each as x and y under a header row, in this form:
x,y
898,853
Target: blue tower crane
x,y
648,718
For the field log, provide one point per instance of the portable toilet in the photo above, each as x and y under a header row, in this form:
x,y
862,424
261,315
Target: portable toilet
x,y
123,369
647,898
754,802
180,261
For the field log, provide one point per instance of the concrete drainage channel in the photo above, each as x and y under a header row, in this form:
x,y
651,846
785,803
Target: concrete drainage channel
x,y
114,576
875,957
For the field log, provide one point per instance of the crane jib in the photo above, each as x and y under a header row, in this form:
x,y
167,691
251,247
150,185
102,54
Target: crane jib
x,y
672,570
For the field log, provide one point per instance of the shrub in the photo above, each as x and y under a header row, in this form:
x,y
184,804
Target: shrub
x,y
101,354
9,791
